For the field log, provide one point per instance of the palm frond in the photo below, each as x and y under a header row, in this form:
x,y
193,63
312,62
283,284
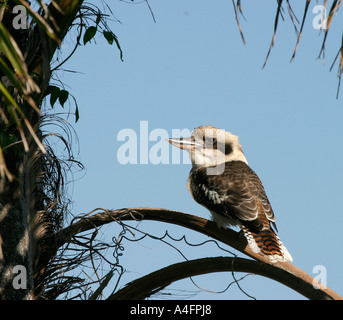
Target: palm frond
x,y
238,11
301,28
276,22
326,23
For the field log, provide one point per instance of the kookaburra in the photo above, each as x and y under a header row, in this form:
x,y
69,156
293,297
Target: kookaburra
x,y
222,182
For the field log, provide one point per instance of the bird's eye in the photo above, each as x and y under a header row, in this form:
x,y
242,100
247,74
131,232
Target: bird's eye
x,y
211,142
228,148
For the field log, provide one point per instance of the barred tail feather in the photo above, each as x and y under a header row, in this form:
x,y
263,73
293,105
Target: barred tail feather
x,y
269,244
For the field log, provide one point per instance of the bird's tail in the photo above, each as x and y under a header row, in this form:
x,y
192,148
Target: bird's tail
x,y
268,243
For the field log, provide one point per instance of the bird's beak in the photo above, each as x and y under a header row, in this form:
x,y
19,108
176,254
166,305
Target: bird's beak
x,y
183,143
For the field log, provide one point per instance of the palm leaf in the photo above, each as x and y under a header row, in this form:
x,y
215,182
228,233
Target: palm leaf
x,y
18,77
10,49
301,28
3,168
276,22
334,8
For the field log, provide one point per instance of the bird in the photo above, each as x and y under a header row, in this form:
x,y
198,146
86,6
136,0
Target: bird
x,y
222,181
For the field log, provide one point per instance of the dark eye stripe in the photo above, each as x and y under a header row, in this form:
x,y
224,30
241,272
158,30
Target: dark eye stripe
x,y
228,148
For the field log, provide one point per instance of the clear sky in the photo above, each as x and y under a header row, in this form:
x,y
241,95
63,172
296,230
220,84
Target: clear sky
x,y
191,68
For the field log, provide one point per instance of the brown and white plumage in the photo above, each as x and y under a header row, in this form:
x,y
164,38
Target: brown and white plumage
x,y
222,181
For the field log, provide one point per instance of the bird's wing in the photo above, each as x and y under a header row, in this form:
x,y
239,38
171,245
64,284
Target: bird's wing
x,y
236,193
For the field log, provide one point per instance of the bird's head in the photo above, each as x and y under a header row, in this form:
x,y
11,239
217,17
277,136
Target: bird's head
x,y
210,146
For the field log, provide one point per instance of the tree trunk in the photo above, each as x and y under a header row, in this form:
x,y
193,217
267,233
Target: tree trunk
x,y
17,216
23,214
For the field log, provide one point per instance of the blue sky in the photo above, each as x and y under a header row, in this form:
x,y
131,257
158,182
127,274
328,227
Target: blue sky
x,y
191,68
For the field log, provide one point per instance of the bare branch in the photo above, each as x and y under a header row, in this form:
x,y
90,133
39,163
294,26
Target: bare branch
x,y
146,286
286,273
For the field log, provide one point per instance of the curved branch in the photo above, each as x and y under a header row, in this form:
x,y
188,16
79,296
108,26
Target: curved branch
x,y
147,285
288,274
